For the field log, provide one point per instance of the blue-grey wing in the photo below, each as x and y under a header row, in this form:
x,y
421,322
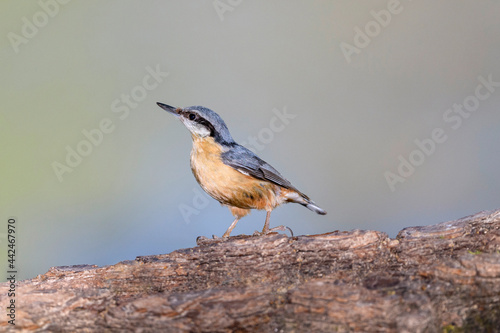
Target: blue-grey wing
x,y
245,161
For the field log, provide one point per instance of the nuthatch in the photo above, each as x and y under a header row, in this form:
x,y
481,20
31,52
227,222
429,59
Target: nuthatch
x,y
232,174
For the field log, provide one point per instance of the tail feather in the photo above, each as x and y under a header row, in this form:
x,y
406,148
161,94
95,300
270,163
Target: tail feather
x,y
304,200
312,206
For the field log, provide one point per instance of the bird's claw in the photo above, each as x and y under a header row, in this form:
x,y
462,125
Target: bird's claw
x,y
278,228
202,240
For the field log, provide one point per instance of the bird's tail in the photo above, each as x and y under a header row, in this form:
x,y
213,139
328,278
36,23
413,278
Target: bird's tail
x,y
304,200
315,208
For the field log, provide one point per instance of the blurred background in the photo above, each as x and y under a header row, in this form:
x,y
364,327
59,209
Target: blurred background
x,y
342,97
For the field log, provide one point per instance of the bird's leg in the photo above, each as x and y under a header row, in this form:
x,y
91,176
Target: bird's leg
x,y
201,240
231,227
266,224
266,229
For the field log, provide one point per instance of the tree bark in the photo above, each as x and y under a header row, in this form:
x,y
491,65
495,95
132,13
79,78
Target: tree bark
x,y
439,278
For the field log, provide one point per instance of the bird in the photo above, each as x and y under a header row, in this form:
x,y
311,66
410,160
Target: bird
x,y
231,173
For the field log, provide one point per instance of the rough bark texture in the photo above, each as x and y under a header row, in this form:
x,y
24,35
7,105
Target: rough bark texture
x,y
440,278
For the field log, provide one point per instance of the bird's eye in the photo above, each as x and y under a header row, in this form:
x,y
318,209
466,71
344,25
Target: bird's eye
x,y
192,116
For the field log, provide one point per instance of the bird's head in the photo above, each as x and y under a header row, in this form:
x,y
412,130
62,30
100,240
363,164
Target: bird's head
x,y
201,122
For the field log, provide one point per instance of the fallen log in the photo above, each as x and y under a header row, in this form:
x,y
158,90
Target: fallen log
x,y
439,278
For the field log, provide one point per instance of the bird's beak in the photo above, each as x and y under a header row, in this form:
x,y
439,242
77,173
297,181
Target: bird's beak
x,y
171,109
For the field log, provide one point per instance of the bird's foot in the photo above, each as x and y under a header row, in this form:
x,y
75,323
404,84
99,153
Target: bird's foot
x,y
202,240
268,231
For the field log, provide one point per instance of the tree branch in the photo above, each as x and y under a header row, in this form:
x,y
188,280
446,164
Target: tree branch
x,y
444,277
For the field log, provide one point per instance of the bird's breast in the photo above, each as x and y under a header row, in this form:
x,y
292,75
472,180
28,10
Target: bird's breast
x,y
226,184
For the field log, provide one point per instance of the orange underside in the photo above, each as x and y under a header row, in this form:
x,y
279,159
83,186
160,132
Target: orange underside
x,y
228,186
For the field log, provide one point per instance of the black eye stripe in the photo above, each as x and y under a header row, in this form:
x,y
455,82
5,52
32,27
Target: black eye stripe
x,y
200,120
207,124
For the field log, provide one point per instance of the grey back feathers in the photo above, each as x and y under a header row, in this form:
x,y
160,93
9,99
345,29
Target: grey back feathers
x,y
247,162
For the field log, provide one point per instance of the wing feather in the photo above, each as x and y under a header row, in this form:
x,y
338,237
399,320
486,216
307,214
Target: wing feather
x,y
245,161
